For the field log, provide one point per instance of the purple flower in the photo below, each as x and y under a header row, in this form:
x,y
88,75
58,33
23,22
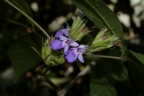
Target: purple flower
x,y
64,42
63,32
75,53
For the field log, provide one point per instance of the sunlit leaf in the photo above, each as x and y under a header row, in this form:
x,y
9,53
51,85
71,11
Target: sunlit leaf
x,y
22,56
98,12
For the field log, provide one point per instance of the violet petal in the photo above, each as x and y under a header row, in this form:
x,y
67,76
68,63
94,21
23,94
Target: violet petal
x,y
66,32
74,44
82,48
71,56
80,57
58,34
66,49
63,38
56,44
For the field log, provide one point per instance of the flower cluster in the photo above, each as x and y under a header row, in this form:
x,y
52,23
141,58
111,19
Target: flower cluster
x,y
64,46
72,50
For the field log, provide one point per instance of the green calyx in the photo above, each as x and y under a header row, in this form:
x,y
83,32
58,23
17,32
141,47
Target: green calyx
x,y
56,58
46,49
50,57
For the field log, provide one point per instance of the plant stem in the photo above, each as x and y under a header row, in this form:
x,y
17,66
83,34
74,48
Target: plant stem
x,y
28,17
104,56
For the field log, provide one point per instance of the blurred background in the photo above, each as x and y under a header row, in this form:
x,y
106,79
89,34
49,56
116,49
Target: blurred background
x,y
18,61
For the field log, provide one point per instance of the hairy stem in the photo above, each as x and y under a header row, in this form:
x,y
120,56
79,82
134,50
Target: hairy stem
x,y
28,17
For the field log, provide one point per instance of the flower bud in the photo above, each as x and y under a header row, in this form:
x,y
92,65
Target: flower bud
x,y
103,40
101,35
81,34
78,29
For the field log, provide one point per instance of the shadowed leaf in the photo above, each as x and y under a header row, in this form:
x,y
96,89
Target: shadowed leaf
x,y
107,74
22,56
99,83
136,73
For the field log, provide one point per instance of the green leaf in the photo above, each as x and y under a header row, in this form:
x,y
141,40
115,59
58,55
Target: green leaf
x,y
22,4
112,72
136,73
98,12
138,56
99,83
101,87
22,56
112,67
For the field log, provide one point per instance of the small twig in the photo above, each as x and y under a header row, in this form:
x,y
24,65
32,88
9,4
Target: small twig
x,y
28,17
49,82
63,91
43,75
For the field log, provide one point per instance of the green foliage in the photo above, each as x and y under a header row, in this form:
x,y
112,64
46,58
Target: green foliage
x,y
101,87
106,75
139,57
98,12
136,73
22,56
99,83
